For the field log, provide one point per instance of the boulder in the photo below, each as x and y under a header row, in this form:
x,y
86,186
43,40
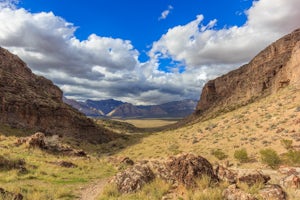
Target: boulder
x,y
134,178
188,167
292,181
234,193
272,192
226,174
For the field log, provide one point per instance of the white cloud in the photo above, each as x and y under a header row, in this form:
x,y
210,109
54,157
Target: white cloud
x,y
165,13
198,45
102,67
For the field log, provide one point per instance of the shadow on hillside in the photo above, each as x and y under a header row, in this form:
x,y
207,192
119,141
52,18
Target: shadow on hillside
x,y
129,135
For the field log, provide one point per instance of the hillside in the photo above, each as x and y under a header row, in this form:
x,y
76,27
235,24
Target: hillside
x,y
274,68
34,103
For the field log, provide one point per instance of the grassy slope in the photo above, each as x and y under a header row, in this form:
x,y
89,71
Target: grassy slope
x,y
256,126
44,179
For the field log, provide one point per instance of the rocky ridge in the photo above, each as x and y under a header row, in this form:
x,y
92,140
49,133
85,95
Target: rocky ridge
x,y
275,67
34,103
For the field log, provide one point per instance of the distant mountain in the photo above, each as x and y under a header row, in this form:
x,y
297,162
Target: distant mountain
x,y
114,108
84,108
106,106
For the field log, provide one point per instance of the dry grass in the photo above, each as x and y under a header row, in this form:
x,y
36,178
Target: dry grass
x,y
43,179
257,126
149,123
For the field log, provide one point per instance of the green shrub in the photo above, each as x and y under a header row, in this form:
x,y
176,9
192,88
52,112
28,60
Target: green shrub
x,y
288,144
241,155
219,154
270,157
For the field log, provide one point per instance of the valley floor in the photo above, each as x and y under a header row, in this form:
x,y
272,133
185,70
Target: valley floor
x,y
272,122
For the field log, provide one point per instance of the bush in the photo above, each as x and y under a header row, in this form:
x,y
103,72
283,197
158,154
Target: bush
x,y
219,154
270,157
241,155
288,144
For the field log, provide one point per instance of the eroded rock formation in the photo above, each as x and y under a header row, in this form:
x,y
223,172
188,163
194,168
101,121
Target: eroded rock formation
x,y
34,103
275,67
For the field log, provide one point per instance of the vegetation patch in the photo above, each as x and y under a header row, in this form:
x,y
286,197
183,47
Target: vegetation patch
x,y
219,154
270,157
241,155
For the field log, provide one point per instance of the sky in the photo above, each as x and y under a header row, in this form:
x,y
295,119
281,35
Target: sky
x,y
142,52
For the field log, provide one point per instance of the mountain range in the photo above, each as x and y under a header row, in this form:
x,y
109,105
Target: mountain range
x,y
118,109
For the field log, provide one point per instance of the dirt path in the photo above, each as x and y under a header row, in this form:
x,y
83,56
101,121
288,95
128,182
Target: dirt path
x,y
92,191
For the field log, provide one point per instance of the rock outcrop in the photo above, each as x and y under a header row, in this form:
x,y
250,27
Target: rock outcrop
x,y
275,67
134,178
34,103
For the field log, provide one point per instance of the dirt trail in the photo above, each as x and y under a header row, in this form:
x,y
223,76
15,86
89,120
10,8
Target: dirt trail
x,y
92,191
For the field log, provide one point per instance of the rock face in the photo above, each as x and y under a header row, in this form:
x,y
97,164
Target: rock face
x,y
275,67
34,103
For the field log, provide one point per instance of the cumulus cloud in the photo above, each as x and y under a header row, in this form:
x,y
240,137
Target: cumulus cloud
x,y
103,67
165,13
199,45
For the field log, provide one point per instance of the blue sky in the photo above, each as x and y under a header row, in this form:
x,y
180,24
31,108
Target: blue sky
x,y
139,21
143,52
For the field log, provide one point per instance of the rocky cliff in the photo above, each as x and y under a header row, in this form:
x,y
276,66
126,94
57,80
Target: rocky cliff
x,y
274,68
34,103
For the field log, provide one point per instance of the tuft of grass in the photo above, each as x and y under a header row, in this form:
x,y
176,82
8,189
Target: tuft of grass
x,y
152,191
241,155
219,154
270,157
207,189
288,144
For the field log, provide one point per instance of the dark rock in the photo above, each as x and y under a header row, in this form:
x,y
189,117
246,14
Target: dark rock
x,y
66,164
127,161
134,178
253,178
188,167
10,195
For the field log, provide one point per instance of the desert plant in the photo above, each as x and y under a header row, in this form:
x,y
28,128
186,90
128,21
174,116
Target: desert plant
x,y
219,154
241,155
288,144
270,157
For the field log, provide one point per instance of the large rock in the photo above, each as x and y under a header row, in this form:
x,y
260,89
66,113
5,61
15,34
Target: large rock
x,y
234,193
272,192
252,178
226,174
35,103
134,178
187,168
275,67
